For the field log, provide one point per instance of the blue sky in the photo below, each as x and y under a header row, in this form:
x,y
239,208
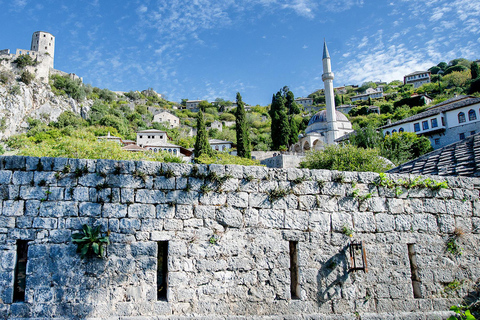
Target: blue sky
x,y
200,49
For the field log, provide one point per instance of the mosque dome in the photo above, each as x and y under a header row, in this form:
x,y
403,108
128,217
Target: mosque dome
x,y
321,116
318,123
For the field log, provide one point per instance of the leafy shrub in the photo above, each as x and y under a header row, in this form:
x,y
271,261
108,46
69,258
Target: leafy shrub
x,y
64,85
27,77
346,158
90,242
225,158
24,60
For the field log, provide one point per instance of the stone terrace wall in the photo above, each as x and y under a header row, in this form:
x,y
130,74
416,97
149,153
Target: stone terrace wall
x,y
229,241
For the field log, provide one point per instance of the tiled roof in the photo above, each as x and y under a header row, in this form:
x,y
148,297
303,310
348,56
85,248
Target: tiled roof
x,y
151,131
416,72
461,158
451,104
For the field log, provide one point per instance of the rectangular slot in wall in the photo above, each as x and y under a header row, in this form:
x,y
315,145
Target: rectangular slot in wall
x,y
294,283
416,283
162,270
20,271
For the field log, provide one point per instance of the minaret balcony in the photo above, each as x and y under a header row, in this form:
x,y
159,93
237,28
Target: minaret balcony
x,y
327,76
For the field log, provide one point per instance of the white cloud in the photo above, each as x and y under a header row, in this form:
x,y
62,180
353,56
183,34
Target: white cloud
x,y
363,42
305,47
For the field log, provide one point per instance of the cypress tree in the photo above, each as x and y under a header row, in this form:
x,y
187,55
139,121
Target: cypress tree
x,y
475,70
243,143
201,141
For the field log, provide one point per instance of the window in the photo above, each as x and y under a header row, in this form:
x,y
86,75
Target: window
x,y
416,127
434,123
141,137
437,141
472,133
425,125
387,133
294,285
20,271
443,122
394,131
416,283
461,117
162,270
401,130
472,115
462,136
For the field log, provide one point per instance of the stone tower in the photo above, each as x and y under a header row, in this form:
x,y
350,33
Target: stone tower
x,y
44,44
327,78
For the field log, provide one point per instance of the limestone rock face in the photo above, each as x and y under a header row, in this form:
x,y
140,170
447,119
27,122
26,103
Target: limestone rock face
x,y
18,102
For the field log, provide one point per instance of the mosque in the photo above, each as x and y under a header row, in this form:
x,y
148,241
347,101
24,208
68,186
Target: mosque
x,y
327,125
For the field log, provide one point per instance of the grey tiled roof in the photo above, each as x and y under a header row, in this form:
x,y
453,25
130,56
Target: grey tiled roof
x,y
450,104
461,158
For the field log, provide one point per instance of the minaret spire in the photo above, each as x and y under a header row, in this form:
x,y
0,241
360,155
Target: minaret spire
x,y
327,77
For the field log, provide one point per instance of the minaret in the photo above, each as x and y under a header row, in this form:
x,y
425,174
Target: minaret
x,y
327,78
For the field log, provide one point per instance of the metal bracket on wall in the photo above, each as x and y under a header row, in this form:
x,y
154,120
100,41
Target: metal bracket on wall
x,y
358,258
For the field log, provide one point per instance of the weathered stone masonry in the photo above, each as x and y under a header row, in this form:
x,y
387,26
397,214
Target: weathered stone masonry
x,y
229,241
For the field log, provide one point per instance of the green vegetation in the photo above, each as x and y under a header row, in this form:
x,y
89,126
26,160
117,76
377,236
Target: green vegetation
x,y
202,147
346,158
284,127
243,143
27,77
24,60
462,314
91,242
225,158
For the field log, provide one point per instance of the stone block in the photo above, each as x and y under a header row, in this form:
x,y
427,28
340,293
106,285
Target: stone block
x,y
184,212
424,223
44,223
58,209
13,208
7,222
114,210
364,221
181,183
385,222
91,180
395,205
255,172
32,208
327,203
129,225
229,217
235,171
334,189
22,177
23,222
60,236
459,207
319,221
464,224
150,196
33,193
339,220
5,177
127,181
127,195
213,198
165,211
296,220
269,218
14,163
80,194
433,205
446,223
403,222
347,204
141,211
259,200
164,183
90,209
250,185
56,193
173,225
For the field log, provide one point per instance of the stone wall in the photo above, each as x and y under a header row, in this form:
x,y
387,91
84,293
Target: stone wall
x,y
230,232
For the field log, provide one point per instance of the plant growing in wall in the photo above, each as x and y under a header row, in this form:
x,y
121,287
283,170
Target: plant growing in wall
x,y
347,231
461,314
91,242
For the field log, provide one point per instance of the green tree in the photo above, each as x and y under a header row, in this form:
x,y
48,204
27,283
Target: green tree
x,y
68,118
243,143
201,142
366,137
474,70
280,126
405,146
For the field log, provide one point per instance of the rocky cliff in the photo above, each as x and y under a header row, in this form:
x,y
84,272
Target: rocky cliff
x,y
19,101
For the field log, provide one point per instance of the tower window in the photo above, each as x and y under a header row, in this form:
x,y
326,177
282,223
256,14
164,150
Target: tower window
x,y
294,285
20,271
162,270
46,48
44,35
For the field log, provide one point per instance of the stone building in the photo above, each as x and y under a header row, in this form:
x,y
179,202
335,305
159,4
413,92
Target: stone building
x,y
233,242
417,78
172,120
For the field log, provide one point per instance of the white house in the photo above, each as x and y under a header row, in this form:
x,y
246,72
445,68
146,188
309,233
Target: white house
x,y
151,136
417,78
305,102
369,93
216,125
172,120
221,145
193,104
444,123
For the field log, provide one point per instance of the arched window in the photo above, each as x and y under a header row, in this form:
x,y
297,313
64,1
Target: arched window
x,y
461,117
169,150
394,131
155,150
175,151
387,133
400,130
472,115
